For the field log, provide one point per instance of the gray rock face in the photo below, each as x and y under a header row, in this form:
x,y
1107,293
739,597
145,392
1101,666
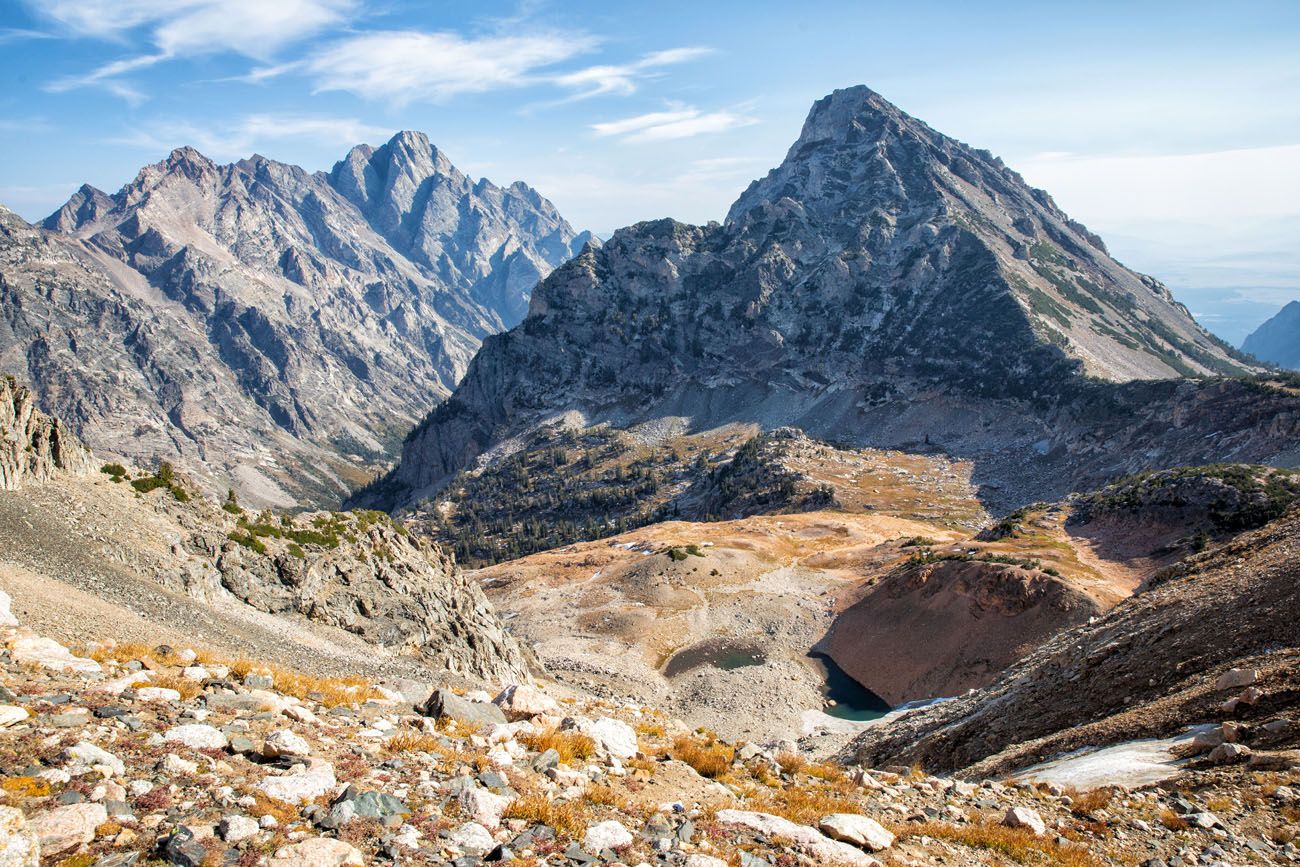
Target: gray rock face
x,y
1278,339
377,582
33,446
885,283
266,327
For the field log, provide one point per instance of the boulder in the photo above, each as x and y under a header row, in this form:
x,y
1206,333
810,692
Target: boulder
x,y
856,829
612,736
303,784
445,703
1226,754
63,828
19,846
12,714
85,757
1236,678
483,806
235,828
157,693
7,618
29,649
521,701
1023,817
285,743
807,839
606,835
317,852
197,736
473,839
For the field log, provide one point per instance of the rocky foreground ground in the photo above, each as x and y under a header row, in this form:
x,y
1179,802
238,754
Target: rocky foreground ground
x,y
129,754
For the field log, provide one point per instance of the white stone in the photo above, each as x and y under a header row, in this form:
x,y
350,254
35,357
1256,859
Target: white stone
x,y
1023,817
810,840
62,828
521,701
704,861
30,649
482,806
118,685
157,693
298,713
139,787
197,736
285,743
195,672
606,835
19,846
302,784
174,766
317,852
6,611
856,829
12,714
473,839
85,757
236,828
612,736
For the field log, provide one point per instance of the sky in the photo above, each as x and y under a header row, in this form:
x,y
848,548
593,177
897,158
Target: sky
x,y
1170,128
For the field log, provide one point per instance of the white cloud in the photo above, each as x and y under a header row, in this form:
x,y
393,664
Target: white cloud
x,y
402,66
20,34
622,78
253,28
245,135
677,123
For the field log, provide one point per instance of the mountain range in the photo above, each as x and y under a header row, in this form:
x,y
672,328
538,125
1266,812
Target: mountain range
x,y
266,327
885,285
1278,340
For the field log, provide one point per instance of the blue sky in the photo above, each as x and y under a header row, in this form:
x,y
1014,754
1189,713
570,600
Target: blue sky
x,y
1173,129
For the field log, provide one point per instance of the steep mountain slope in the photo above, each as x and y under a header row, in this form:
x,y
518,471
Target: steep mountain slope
x,y
883,285
331,590
1278,339
1146,669
264,326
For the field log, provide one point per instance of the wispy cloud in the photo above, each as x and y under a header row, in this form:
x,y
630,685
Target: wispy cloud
x,y
21,34
246,134
178,28
676,123
405,66
623,78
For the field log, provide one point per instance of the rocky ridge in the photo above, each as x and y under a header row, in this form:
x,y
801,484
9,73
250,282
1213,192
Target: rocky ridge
x,y
264,327
884,286
34,447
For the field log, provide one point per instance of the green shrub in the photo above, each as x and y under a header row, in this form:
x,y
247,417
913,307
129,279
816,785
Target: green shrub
x,y
116,471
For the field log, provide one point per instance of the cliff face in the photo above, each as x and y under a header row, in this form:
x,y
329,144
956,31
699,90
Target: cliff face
x,y
34,447
266,327
885,283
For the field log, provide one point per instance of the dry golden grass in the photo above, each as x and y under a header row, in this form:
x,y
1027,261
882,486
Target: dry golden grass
x,y
267,806
607,796
791,763
803,806
651,730
411,742
1173,821
569,819
25,787
570,745
186,687
710,757
1089,802
1018,844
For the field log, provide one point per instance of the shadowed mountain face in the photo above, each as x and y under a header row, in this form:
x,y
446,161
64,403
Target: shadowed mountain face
x,y
1278,339
884,285
264,326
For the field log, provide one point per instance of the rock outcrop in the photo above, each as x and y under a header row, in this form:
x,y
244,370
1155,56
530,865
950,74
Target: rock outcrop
x,y
264,327
1278,340
33,446
1149,667
885,285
